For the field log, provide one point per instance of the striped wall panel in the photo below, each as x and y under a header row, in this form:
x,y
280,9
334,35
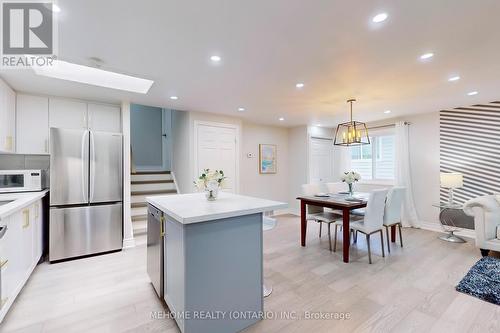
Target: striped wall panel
x,y
470,144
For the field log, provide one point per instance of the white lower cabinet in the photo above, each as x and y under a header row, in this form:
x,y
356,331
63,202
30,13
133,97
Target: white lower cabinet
x,y
26,244
20,251
11,258
6,263
37,230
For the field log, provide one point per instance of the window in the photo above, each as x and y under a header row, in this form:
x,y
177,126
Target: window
x,y
382,147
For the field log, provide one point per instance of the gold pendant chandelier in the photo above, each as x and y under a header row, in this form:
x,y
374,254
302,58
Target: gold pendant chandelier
x,y
352,133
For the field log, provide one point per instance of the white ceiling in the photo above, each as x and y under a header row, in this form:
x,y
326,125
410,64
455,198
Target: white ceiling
x,y
269,46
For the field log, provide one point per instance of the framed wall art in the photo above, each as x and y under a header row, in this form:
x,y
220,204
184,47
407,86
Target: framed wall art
x,y
267,158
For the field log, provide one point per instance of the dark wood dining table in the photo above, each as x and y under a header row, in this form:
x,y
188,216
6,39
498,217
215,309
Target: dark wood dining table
x,y
337,202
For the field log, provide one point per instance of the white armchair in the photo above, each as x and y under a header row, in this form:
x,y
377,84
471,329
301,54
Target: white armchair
x,y
486,213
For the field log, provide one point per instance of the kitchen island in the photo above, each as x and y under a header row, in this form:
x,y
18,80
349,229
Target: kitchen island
x,y
213,273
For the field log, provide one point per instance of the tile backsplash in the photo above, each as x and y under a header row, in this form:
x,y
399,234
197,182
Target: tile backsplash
x,y
22,161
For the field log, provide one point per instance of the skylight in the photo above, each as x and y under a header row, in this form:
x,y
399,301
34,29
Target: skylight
x,y
94,76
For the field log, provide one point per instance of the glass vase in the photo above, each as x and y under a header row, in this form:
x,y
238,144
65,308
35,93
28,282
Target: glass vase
x,y
211,194
351,190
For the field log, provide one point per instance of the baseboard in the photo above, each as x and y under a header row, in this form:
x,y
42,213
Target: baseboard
x,y
128,243
287,211
437,227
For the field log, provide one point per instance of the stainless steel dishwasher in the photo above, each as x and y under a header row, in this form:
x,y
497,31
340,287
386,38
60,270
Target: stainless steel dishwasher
x,y
155,248
3,230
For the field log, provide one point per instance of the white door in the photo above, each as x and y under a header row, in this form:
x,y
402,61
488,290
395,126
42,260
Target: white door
x,y
104,118
32,124
146,124
216,149
68,114
321,160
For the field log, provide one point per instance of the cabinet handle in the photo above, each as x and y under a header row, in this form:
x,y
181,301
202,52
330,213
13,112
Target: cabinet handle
x,y
2,303
3,230
8,143
37,210
26,215
3,263
162,229
46,145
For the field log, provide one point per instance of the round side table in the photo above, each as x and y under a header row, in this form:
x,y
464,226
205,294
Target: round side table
x,y
447,215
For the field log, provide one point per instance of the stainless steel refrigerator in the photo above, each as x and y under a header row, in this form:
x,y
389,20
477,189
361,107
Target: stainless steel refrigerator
x,y
86,194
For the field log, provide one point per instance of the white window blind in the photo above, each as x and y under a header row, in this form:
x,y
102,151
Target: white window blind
x,y
376,160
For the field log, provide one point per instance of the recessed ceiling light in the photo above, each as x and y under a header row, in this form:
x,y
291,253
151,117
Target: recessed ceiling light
x,y
454,78
387,111
174,98
299,85
94,76
318,125
472,93
281,118
426,56
380,18
215,58
241,109
55,8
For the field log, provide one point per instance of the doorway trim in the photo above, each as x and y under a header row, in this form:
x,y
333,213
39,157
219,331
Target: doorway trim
x,y
236,127
166,139
309,154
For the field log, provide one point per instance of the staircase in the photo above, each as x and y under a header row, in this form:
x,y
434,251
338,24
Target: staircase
x,y
145,184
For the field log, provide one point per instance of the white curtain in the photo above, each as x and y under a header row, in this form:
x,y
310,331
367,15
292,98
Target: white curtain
x,y
403,173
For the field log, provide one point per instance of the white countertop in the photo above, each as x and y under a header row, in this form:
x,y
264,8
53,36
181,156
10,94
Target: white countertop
x,y
194,207
21,200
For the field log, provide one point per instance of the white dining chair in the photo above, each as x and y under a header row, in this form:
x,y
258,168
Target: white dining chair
x,y
393,212
336,187
373,220
363,187
318,214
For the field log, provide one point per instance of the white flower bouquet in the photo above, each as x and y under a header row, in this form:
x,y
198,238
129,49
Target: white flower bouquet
x,y
350,178
210,181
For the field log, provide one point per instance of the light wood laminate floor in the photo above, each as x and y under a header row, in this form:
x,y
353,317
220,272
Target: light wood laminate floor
x,y
411,290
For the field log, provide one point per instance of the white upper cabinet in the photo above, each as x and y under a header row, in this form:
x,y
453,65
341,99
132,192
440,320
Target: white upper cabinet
x,y
37,114
106,118
7,118
66,113
32,123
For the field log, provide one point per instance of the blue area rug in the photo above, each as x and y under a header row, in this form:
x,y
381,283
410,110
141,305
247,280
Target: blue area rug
x,y
483,280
